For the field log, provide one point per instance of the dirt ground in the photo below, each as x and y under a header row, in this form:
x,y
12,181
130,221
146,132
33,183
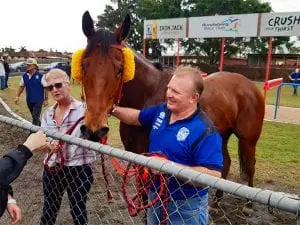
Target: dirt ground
x,y
284,114
28,191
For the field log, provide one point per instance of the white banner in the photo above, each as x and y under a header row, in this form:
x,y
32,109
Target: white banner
x,y
166,28
244,25
280,24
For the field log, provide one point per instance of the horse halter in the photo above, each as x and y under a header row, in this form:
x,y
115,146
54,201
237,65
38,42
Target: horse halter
x,y
128,69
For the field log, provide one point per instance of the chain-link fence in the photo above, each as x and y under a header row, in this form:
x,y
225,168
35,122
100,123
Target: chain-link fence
x,y
175,196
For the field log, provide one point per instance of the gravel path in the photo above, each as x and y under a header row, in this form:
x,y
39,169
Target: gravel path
x,y
284,114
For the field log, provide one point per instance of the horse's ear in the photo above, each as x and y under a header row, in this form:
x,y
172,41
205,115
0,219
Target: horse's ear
x,y
122,32
87,25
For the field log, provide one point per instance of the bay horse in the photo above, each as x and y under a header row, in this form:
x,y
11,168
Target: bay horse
x,y
233,102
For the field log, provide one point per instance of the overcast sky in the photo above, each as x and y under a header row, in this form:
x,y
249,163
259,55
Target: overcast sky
x,y
56,24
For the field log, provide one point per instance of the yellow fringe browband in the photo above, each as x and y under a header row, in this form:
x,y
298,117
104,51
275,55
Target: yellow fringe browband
x,y
128,70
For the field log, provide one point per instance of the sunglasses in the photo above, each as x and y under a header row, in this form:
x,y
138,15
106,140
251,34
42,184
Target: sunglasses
x,y
56,85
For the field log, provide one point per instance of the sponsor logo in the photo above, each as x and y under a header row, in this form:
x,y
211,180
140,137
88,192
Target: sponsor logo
x,y
282,23
231,24
159,120
182,134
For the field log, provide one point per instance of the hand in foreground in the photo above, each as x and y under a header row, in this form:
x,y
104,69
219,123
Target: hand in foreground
x,y
15,213
36,141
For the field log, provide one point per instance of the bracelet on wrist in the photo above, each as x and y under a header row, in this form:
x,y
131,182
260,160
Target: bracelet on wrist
x,y
11,201
114,109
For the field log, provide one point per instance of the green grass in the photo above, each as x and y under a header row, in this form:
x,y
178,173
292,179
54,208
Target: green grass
x,y
286,98
278,155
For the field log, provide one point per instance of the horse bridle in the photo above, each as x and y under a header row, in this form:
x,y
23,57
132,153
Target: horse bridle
x,y
119,95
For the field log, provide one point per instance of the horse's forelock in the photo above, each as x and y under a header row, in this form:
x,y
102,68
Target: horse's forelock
x,y
103,39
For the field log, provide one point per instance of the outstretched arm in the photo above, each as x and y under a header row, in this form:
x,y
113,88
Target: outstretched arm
x,y
13,162
129,116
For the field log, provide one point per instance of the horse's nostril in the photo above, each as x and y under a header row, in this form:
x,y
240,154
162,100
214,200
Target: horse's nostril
x,y
104,130
83,129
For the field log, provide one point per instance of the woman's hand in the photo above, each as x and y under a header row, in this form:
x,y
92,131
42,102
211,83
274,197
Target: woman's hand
x,y
15,213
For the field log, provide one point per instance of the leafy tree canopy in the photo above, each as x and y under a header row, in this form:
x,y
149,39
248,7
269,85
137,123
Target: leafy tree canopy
x,y
161,9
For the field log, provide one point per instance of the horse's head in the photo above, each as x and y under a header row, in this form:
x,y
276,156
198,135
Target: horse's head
x,y
103,67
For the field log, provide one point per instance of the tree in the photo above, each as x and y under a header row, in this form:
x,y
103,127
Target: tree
x,y
23,49
139,10
112,17
233,46
8,50
161,9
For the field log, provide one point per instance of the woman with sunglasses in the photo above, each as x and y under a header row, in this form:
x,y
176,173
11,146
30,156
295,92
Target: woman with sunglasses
x,y
72,164
32,81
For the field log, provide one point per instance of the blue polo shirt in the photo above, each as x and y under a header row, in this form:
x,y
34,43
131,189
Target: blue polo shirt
x,y
193,141
34,87
296,77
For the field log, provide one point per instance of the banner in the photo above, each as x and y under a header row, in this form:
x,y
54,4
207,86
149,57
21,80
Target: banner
x,y
166,28
280,24
244,25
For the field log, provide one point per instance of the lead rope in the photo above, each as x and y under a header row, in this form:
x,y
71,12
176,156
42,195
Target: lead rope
x,y
143,185
103,141
59,166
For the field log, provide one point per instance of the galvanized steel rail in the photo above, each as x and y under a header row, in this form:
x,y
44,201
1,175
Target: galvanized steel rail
x,y
270,198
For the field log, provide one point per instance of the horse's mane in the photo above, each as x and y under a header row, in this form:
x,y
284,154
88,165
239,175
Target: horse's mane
x,y
158,66
103,38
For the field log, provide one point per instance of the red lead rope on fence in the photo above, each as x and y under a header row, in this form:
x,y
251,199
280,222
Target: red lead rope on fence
x,y
103,141
59,165
143,184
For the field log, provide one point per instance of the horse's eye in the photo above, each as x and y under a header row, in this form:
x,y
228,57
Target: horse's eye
x,y
85,66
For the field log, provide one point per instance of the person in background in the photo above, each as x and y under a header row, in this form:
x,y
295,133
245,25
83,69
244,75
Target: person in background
x,y
182,132
11,165
7,70
2,74
295,78
75,175
32,81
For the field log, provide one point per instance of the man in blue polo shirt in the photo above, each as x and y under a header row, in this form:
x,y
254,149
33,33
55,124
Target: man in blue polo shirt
x,y
185,135
295,78
35,93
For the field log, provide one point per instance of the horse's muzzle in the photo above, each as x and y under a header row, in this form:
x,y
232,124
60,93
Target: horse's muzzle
x,y
93,136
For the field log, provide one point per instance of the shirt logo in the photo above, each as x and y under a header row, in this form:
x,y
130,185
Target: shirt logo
x,y
159,121
37,77
162,115
182,134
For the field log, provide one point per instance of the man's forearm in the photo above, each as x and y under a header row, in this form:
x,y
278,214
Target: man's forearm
x,y
127,115
205,170
20,90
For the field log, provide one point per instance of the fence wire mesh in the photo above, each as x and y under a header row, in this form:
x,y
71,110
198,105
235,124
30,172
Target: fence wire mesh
x,y
30,197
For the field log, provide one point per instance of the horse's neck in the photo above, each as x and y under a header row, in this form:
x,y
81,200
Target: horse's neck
x,y
147,75
148,86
